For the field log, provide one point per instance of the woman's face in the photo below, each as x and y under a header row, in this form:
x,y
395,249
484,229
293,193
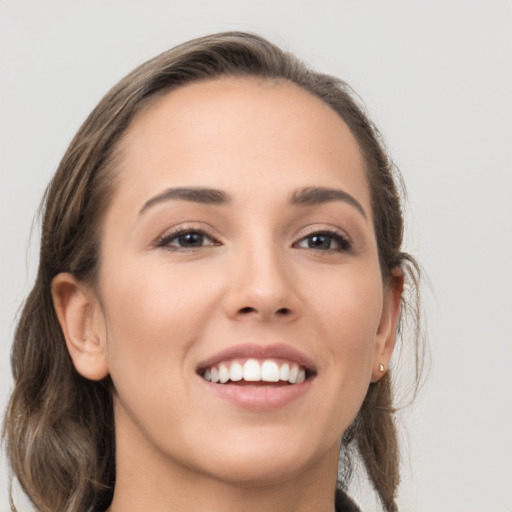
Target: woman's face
x,y
239,245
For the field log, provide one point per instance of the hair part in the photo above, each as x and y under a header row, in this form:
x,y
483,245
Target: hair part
x,y
59,426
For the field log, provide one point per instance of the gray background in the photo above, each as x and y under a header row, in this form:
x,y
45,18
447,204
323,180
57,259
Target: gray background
x,y
436,77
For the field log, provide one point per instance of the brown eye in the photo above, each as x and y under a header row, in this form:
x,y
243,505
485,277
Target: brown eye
x,y
319,242
190,240
186,239
324,241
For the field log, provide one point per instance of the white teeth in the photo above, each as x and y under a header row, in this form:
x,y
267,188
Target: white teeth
x,y
294,372
255,371
252,370
284,372
223,373
270,371
236,372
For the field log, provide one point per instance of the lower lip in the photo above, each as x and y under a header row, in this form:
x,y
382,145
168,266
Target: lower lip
x,y
259,397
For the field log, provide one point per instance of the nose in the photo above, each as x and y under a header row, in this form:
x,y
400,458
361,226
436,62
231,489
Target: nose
x,y
261,287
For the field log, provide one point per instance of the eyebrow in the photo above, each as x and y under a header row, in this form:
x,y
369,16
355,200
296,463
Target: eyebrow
x,y
312,196
193,194
309,196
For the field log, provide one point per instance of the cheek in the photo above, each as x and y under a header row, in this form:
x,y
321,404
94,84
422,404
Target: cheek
x,y
349,314
153,317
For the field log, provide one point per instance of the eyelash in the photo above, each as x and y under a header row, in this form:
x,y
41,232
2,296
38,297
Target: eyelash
x,y
165,240
342,241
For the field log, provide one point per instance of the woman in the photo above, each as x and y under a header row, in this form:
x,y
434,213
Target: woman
x,y
219,291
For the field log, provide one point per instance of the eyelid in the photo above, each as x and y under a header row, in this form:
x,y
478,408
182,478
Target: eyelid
x,y
163,241
341,236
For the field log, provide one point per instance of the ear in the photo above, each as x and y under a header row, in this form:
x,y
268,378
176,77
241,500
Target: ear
x,y
82,322
386,333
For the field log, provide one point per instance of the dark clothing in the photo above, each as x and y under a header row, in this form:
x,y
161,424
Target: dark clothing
x,y
344,504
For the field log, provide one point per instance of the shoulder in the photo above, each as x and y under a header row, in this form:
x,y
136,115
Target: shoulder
x,y
345,504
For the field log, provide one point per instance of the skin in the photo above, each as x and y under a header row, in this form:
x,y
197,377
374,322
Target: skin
x,y
158,311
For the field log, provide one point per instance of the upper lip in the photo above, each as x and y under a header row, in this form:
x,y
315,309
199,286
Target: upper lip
x,y
250,350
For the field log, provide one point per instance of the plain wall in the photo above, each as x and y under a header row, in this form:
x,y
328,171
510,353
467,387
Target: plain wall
x,y
436,77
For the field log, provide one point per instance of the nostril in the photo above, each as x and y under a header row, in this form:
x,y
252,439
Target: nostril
x,y
249,309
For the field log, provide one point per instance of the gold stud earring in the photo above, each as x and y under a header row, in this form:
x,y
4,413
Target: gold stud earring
x,y
381,367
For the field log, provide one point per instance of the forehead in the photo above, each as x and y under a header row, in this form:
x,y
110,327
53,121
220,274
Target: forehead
x,y
240,132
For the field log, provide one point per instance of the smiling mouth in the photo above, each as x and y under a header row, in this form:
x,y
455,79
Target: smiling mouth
x,y
255,372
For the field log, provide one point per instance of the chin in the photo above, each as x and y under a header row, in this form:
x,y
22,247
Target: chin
x,y
266,459
260,471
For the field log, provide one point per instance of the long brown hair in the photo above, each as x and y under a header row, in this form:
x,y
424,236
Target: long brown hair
x,y
59,426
